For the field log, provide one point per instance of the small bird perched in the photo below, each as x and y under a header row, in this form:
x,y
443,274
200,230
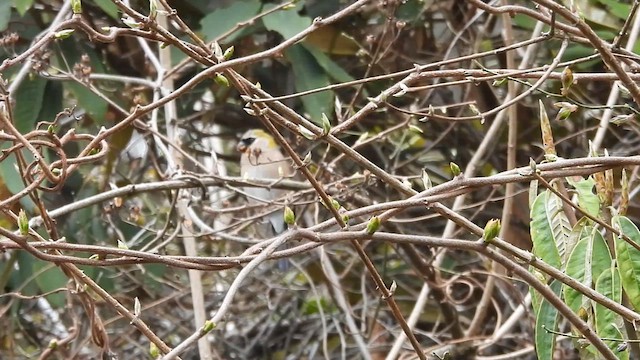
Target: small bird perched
x,y
262,159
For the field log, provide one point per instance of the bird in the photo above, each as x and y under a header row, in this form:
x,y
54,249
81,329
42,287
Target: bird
x,y
262,159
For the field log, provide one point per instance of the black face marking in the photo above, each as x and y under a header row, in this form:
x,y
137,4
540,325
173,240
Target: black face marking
x,y
248,141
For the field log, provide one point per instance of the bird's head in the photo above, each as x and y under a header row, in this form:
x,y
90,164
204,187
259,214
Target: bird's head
x,y
256,140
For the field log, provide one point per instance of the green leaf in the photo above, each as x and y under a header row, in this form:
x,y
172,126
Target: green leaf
x,y
587,200
84,98
628,259
330,67
224,19
313,305
22,6
287,23
411,10
50,278
607,322
547,242
52,102
5,14
29,98
108,7
23,277
581,230
617,8
588,260
547,318
309,75
591,11
95,106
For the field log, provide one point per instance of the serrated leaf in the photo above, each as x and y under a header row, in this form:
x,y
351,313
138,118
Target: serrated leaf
x,y
628,259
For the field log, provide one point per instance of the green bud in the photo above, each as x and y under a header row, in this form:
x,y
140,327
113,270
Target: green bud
x,y
153,350
474,109
373,225
624,91
326,125
63,34
217,50
137,307
533,165
426,180
23,222
416,129
131,22
583,314
208,326
499,82
455,169
431,110
567,80
76,6
345,218
403,90
153,9
228,53
566,109
307,159
362,137
122,245
491,230
623,119
289,216
221,80
53,344
306,132
336,205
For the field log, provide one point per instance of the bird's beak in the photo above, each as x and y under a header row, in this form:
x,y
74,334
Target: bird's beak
x,y
241,147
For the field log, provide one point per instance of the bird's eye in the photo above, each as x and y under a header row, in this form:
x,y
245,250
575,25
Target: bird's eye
x,y
248,141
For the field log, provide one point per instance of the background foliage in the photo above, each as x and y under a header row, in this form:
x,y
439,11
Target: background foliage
x,y
466,179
